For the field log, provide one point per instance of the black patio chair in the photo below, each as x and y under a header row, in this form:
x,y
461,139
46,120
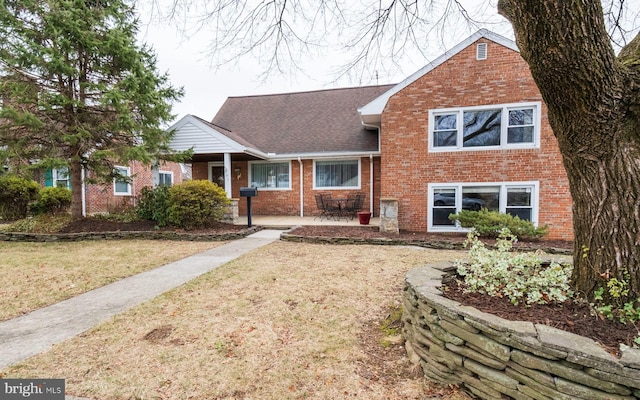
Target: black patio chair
x,y
354,205
327,209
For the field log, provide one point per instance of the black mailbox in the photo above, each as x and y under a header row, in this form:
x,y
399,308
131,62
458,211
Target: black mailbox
x,y
248,192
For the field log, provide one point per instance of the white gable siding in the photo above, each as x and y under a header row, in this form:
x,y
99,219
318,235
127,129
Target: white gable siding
x,y
191,136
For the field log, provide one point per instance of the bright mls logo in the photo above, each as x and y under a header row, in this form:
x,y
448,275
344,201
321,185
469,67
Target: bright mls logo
x,y
36,389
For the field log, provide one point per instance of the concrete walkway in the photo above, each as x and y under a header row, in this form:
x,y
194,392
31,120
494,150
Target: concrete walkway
x,y
33,333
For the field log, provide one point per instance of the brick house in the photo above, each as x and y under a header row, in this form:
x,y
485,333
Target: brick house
x,y
469,130
119,194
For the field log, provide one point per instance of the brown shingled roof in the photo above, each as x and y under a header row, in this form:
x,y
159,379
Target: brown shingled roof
x,y
303,122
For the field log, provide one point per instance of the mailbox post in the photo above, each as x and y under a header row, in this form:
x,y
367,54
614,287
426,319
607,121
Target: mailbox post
x,y
248,192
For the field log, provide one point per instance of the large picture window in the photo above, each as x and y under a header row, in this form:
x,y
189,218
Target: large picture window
x,y
515,198
342,174
500,126
270,175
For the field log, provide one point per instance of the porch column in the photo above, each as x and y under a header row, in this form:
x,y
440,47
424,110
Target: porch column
x,y
227,174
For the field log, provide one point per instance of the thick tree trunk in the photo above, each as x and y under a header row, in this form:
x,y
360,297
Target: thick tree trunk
x,y
75,174
592,98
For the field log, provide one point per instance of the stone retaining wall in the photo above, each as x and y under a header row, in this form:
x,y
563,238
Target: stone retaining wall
x,y
494,358
429,244
75,237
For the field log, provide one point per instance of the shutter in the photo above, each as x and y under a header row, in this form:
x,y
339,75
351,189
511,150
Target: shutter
x,y
48,178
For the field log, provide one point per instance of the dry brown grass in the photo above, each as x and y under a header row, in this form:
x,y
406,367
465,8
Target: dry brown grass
x,y
35,275
283,322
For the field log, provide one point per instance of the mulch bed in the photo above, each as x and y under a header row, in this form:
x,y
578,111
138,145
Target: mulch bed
x,y
105,225
570,316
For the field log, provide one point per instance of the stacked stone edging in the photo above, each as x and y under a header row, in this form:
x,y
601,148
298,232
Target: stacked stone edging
x,y
120,235
492,357
430,244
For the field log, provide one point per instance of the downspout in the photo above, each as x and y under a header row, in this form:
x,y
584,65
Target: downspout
x,y
133,183
82,190
371,183
301,188
371,164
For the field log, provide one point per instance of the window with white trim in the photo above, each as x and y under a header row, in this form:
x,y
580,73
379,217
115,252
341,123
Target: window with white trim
x,y
499,126
60,177
515,198
336,174
122,184
270,175
165,178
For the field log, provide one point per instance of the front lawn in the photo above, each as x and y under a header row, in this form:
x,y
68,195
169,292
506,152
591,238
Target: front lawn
x,y
35,275
287,321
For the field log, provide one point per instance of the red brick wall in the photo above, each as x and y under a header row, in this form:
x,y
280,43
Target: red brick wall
x,y
287,202
101,198
463,81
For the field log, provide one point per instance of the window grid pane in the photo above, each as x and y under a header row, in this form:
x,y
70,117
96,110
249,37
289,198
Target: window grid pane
x,y
165,179
120,185
519,203
481,128
445,132
520,128
444,204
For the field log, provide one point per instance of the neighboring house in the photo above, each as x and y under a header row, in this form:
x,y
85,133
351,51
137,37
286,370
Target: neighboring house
x,y
468,130
121,193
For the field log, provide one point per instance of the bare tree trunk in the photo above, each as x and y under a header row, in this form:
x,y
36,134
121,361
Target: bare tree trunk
x,y
592,98
75,174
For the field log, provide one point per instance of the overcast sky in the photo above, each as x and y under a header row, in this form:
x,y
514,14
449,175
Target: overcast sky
x,y
206,88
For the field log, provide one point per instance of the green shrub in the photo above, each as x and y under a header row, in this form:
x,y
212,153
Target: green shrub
x,y
196,204
15,195
491,223
153,205
52,200
520,277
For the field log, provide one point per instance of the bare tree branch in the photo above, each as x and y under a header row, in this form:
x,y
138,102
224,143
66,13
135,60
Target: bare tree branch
x,y
373,36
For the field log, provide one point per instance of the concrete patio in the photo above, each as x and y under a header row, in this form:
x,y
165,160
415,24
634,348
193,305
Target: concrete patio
x,y
287,221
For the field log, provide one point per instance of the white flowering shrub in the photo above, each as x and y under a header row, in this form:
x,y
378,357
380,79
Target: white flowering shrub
x,y
520,277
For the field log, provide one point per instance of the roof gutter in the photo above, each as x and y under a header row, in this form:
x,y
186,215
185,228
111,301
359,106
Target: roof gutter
x,y
256,153
320,155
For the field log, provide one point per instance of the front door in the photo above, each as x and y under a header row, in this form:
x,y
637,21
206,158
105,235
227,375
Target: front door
x,y
217,175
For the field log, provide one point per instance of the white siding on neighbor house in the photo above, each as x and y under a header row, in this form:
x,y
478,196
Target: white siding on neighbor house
x,y
203,141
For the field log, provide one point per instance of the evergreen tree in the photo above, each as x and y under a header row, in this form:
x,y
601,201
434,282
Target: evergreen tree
x,y
78,90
